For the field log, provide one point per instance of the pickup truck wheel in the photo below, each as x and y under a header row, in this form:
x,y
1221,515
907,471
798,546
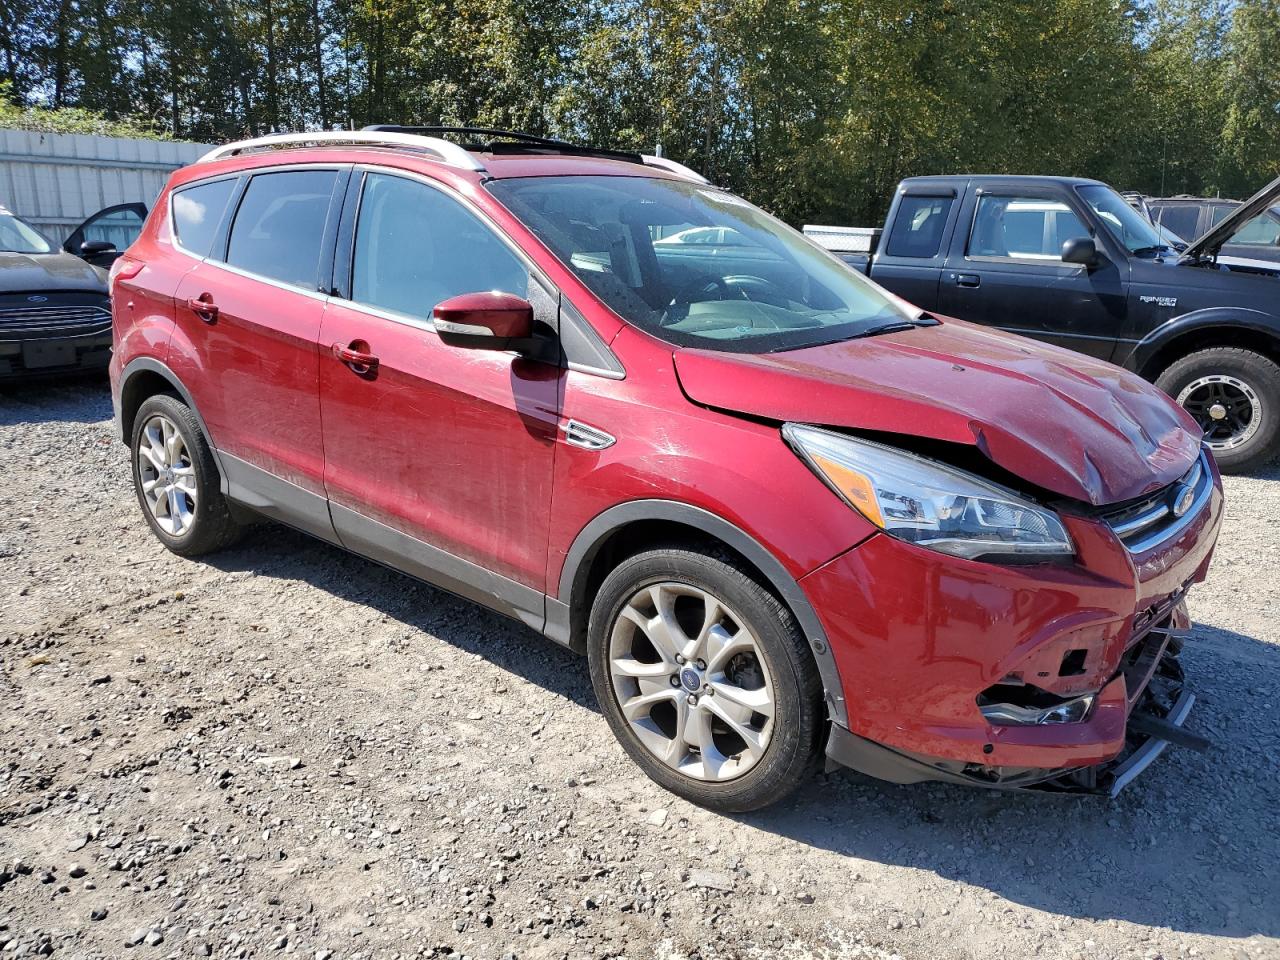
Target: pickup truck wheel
x,y
1234,394
176,480
705,679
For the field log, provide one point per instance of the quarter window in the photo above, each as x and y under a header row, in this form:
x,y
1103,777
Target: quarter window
x,y
279,227
917,226
197,211
415,247
1027,228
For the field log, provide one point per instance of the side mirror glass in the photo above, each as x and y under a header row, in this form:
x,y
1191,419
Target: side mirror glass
x,y
1081,250
485,321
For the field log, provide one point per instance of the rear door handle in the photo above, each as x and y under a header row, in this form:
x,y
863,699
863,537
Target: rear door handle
x,y
968,280
204,307
356,355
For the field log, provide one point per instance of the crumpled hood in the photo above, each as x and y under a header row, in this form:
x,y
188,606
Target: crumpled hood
x,y
1073,425
43,272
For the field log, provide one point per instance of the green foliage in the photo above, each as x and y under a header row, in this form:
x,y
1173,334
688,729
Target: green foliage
x,y
69,120
814,108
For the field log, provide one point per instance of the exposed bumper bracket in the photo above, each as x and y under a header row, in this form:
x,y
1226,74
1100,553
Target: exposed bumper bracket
x,y
1125,772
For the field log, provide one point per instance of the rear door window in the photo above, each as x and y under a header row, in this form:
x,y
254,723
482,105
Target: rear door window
x,y
1181,218
917,227
280,224
197,211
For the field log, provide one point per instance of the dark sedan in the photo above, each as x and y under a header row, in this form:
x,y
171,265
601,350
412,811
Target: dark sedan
x,y
55,315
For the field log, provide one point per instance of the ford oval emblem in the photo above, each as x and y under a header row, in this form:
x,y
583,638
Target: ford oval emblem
x,y
1182,502
37,299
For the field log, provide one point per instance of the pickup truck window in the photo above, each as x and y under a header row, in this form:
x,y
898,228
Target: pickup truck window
x,y
1029,228
917,226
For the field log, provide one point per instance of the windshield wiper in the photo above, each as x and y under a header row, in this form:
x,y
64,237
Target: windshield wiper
x,y
1151,250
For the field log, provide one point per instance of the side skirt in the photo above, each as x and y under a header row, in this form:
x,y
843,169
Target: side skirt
x,y
389,546
266,494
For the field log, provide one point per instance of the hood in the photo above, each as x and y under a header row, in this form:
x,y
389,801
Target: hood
x,y
44,272
1210,243
1069,424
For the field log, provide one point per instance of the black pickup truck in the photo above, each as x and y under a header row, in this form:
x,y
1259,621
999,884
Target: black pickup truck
x,y
1071,262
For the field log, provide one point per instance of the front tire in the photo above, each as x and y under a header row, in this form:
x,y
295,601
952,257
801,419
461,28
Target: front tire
x,y
1234,394
176,479
705,678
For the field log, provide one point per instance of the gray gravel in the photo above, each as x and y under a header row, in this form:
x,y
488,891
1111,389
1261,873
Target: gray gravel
x,y
288,750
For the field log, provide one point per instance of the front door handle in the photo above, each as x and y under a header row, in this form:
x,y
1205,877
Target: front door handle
x,y
204,307
968,280
356,355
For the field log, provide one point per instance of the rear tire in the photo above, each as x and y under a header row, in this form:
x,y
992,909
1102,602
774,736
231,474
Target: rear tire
x,y
1234,394
176,480
729,715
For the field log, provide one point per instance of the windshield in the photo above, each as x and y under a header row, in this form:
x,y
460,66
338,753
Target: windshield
x,y
1124,223
697,266
19,237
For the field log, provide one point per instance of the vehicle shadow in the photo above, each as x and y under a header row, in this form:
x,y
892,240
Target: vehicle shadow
x,y
70,398
1141,858
1191,845
281,553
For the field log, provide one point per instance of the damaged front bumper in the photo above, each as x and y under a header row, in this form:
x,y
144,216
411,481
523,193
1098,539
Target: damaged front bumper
x,y
1151,686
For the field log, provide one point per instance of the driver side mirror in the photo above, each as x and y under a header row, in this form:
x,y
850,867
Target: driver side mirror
x,y
1081,250
485,321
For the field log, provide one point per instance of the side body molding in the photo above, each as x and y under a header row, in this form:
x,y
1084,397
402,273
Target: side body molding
x,y
585,547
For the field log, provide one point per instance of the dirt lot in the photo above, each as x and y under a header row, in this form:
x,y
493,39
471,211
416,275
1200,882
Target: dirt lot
x,y
291,750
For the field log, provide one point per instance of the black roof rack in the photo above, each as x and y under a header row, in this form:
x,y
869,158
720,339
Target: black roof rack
x,y
509,141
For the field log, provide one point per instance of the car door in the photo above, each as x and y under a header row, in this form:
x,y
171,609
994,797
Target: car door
x,y
438,459
108,232
1010,274
245,341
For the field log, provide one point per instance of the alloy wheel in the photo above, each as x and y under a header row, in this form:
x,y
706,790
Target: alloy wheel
x,y
167,475
691,681
1227,409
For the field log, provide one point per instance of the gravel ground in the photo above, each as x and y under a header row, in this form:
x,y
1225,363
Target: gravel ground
x,y
286,749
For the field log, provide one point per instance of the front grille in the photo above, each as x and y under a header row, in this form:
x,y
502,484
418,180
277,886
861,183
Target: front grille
x,y
1147,523
51,319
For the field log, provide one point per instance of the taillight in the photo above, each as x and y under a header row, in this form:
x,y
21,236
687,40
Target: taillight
x,y
125,268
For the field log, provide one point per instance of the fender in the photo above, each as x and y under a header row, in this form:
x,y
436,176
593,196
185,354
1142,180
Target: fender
x,y
1238,318
589,541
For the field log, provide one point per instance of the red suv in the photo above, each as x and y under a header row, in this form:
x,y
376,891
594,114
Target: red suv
x,y
781,511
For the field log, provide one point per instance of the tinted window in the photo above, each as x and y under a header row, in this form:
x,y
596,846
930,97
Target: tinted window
x,y
917,226
196,213
1026,227
1218,212
279,227
415,247
1181,218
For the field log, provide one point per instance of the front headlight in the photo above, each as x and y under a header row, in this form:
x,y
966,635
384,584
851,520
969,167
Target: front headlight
x,y
928,503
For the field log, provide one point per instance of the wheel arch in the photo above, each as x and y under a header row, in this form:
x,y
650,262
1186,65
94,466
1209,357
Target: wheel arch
x,y
628,528
145,377
1202,329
